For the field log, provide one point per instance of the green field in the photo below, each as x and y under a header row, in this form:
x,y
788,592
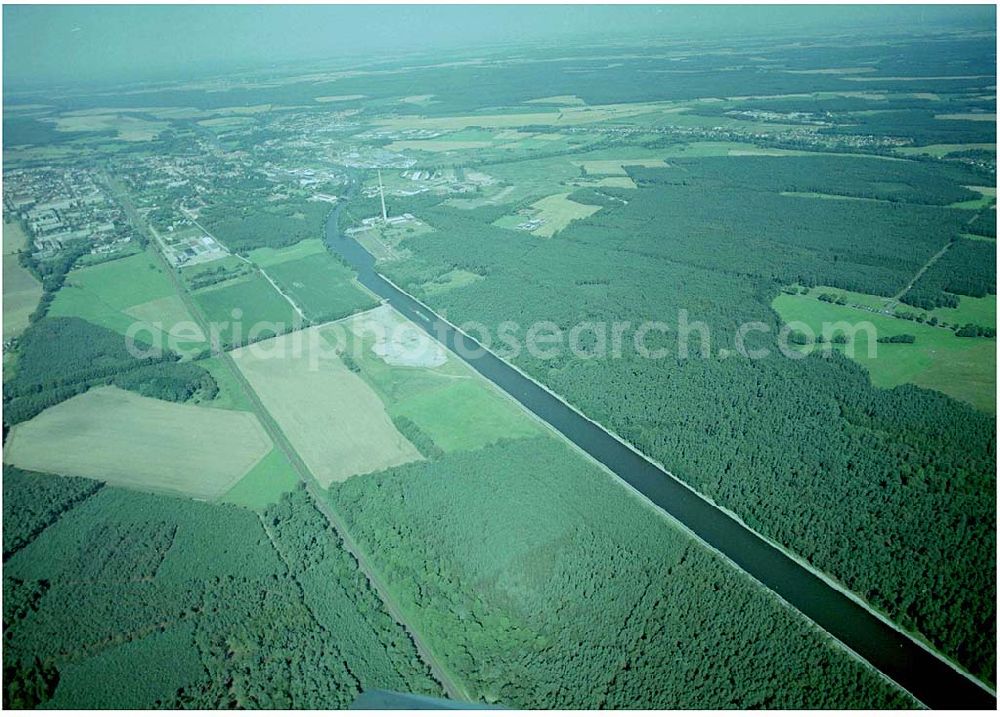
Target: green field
x,y
230,394
454,279
557,211
964,368
268,256
246,310
448,401
321,286
940,150
128,440
383,242
981,311
200,275
264,484
130,292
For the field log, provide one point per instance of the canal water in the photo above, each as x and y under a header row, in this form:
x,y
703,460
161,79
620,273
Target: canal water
x,y
926,676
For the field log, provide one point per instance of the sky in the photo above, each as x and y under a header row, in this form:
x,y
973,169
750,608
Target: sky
x,y
57,44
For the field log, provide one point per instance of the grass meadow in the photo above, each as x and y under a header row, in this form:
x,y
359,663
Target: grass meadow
x,y
964,368
253,300
119,293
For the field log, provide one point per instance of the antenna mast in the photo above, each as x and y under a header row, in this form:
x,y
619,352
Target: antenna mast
x,y
385,217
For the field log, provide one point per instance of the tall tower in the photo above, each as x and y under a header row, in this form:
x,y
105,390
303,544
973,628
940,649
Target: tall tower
x,y
381,192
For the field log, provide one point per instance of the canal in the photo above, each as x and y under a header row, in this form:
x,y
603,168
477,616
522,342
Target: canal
x,y
932,680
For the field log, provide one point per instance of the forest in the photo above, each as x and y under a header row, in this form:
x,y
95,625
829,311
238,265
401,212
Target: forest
x,y
582,597
849,176
245,221
899,482
507,79
968,267
214,607
60,357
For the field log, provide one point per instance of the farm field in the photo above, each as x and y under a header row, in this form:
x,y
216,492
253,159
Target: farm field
x,y
230,394
128,440
631,208
269,256
21,290
336,422
246,309
547,216
940,150
321,286
964,368
125,292
981,311
125,127
617,166
264,484
422,382
14,239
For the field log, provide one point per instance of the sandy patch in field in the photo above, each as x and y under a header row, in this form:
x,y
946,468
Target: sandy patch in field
x,y
126,439
339,98
617,166
969,116
557,100
397,341
335,421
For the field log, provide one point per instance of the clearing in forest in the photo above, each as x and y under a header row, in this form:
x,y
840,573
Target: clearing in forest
x,y
127,127
335,421
617,166
548,216
964,368
129,440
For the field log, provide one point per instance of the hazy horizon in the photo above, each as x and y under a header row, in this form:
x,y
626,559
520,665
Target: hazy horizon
x,y
51,45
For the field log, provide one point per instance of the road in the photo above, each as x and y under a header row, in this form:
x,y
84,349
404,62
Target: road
x,y
930,263
452,687
926,674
